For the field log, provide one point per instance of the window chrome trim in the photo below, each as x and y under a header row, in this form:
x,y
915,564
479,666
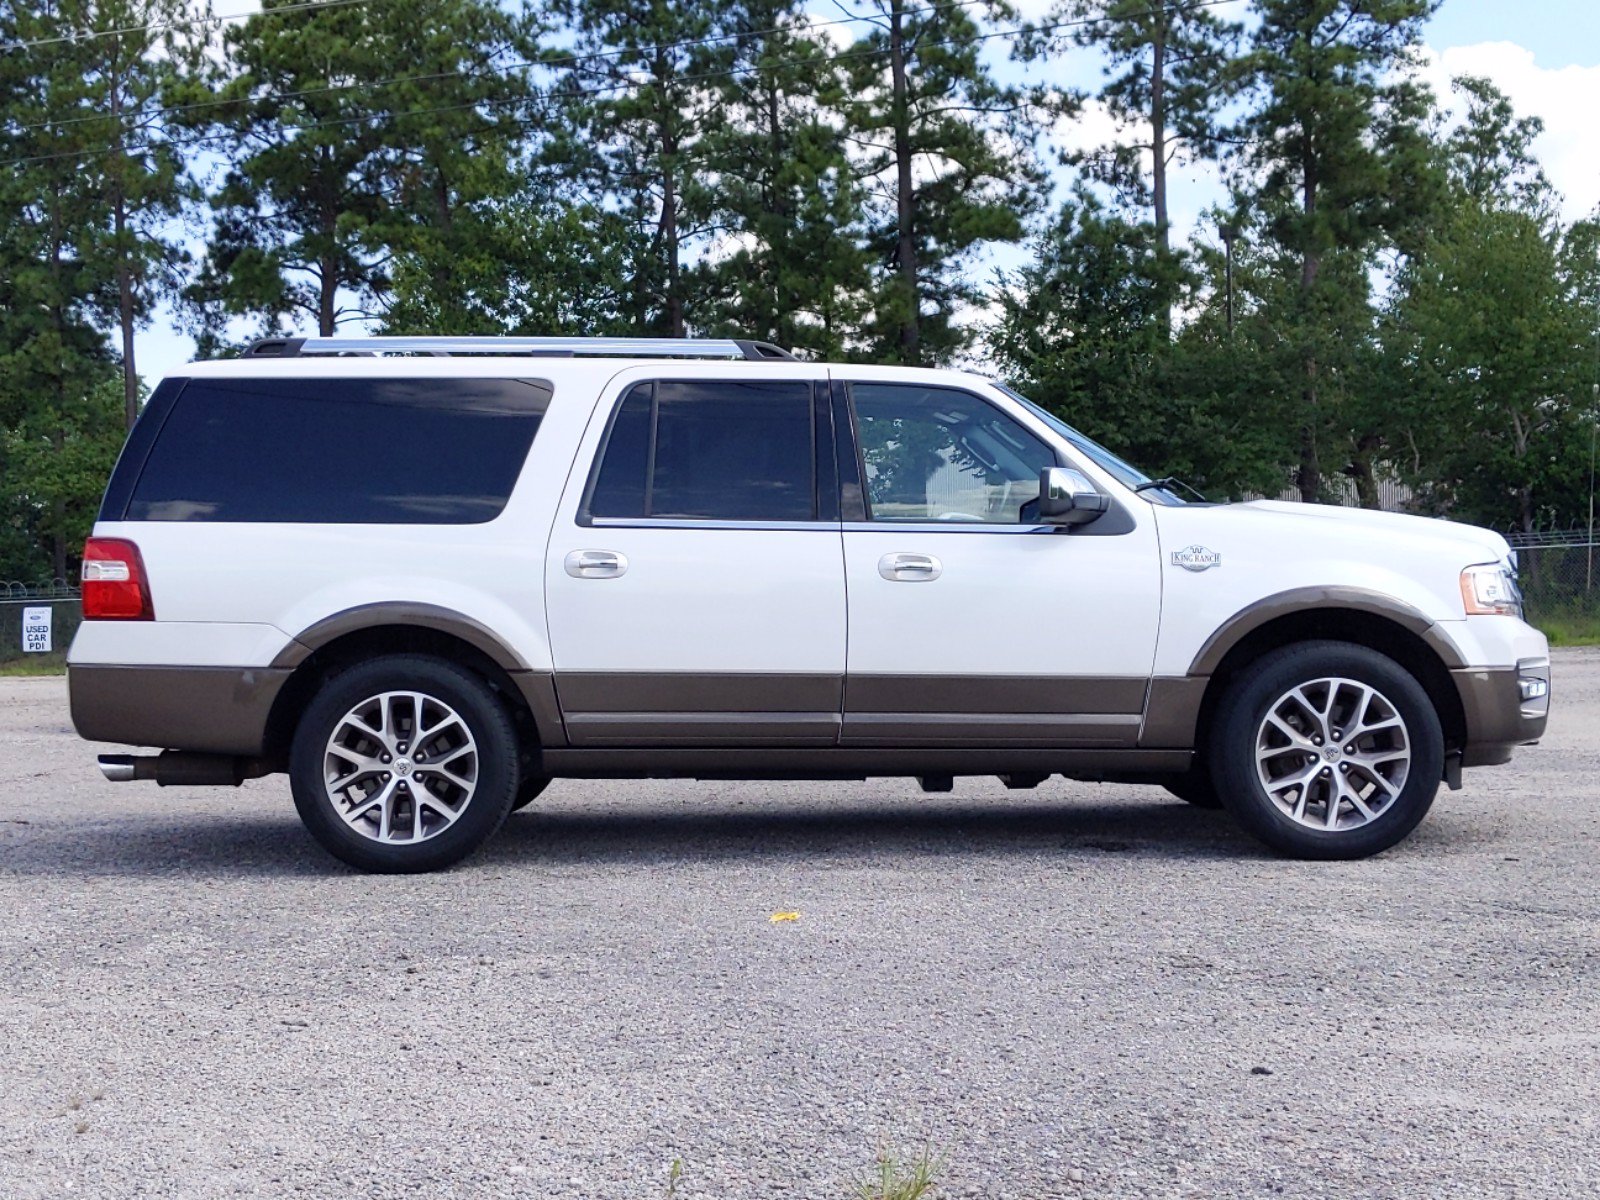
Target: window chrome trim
x,y
1009,529
707,523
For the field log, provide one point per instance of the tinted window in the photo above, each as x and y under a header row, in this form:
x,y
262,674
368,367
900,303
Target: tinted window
x,y
937,454
732,451
619,489
350,451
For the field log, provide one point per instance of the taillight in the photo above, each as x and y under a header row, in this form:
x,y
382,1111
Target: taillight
x,y
115,587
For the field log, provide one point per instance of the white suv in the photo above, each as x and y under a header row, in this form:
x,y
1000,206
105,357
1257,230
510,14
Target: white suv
x,y
426,576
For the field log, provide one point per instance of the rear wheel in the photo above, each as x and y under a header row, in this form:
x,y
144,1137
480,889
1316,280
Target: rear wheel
x,y
1327,750
404,764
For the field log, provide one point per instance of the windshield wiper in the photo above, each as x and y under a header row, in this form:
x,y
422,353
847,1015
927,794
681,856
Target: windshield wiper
x,y
1167,483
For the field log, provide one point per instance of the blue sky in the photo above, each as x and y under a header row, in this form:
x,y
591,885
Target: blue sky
x,y
1545,54
1561,33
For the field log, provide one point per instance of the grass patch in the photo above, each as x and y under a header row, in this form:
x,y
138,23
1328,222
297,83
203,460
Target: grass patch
x,y
1569,628
896,1178
35,664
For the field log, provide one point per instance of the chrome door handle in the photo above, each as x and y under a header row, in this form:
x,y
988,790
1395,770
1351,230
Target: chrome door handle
x,y
909,568
595,564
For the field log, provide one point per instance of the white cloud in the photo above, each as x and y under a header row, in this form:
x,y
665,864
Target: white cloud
x,y
1564,98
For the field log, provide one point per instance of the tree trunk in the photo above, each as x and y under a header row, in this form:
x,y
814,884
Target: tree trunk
x,y
669,236
1158,169
1532,559
776,203
327,297
443,276
125,316
905,196
58,505
328,262
1309,475
125,298
1361,471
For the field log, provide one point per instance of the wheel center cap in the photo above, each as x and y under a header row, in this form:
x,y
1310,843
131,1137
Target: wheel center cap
x,y
402,767
1332,753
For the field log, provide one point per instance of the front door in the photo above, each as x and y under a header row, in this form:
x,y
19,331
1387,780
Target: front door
x,y
694,581
971,624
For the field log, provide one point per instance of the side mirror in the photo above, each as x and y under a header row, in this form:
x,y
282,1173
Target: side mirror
x,y
1066,497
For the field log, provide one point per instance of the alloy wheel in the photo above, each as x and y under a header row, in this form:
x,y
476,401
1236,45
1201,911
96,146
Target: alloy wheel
x,y
400,767
1333,753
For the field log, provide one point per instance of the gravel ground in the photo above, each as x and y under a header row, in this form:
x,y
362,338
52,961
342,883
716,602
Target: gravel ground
x,y
1077,991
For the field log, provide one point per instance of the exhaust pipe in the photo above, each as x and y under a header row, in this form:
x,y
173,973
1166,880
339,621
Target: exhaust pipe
x,y
119,768
180,768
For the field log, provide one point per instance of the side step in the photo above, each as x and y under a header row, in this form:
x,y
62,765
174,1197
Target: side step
x,y
181,768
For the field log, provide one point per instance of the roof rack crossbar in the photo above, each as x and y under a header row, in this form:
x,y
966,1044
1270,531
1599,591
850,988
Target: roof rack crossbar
x,y
550,347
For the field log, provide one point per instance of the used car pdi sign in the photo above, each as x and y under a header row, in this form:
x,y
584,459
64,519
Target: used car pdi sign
x,y
36,630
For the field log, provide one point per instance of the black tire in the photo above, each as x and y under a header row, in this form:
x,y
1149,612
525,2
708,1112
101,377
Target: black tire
x,y
479,710
1240,716
1194,788
529,790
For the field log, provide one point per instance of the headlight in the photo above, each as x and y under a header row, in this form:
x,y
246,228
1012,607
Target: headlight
x,y
1491,590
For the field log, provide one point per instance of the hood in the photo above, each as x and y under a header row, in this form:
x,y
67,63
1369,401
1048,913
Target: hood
x,y
1492,546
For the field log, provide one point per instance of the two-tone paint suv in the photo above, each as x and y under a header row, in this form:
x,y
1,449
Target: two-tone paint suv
x,y
426,576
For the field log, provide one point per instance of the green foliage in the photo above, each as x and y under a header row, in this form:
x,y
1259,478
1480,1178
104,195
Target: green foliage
x,y
634,132
943,149
1338,159
1398,297
541,268
787,199
354,133
1493,339
897,1178
56,461
1080,331
85,249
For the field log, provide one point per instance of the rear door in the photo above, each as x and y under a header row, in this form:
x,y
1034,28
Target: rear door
x,y
972,624
694,578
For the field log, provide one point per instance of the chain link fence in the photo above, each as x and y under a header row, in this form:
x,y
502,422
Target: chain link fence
x,y
1560,578
37,622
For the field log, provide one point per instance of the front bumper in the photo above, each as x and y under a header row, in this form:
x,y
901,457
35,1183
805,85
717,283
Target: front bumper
x,y
1505,707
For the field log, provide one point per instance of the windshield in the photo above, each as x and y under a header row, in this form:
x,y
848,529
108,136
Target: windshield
x,y
1119,469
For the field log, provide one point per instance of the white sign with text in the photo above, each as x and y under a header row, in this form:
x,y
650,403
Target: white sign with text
x,y
36,637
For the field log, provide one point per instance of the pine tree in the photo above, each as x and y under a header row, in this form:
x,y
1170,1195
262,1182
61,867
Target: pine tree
x,y
1166,63
641,81
1339,159
945,151
142,174
58,272
352,132
785,197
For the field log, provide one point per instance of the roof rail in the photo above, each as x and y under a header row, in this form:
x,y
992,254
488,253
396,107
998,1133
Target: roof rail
x,y
546,347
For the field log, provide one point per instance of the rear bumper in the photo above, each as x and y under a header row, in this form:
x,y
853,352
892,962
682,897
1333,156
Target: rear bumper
x,y
216,710
1505,707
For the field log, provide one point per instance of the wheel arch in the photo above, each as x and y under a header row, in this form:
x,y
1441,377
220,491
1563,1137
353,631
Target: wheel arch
x,y
1379,623
361,634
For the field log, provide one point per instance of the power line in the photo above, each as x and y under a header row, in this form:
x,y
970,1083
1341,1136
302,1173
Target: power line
x,y
549,97
91,35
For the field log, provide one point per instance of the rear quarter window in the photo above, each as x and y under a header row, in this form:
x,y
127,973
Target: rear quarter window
x,y
340,451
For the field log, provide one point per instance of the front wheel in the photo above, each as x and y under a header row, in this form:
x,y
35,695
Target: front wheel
x,y
1327,750
404,764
